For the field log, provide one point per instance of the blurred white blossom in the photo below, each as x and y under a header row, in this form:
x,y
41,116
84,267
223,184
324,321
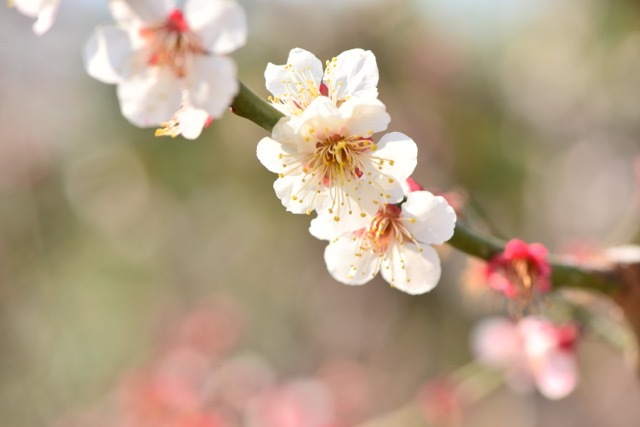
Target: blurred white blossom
x,y
162,59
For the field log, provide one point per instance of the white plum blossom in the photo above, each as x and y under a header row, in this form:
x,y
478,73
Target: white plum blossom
x,y
166,61
297,83
43,10
531,352
188,121
328,161
396,242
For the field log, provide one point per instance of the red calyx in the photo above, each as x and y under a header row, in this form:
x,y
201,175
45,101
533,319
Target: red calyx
x,y
177,22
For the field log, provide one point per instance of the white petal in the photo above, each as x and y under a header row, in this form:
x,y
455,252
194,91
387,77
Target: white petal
x,y
212,84
29,8
269,153
348,264
353,73
391,187
398,154
325,227
556,375
150,99
411,270
302,69
107,54
432,219
46,17
365,117
140,12
285,131
220,24
191,121
320,120
322,107
289,186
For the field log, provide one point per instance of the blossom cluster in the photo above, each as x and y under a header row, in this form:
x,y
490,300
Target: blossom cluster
x,y
171,69
330,160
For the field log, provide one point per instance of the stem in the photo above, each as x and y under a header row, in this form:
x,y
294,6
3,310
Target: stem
x,y
562,274
250,106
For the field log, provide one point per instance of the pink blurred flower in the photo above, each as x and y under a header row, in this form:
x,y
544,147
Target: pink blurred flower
x,y
240,379
300,403
349,384
532,352
214,328
440,402
521,271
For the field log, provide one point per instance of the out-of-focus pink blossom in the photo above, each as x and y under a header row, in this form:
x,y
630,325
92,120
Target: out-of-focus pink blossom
x,y
241,378
214,328
348,382
301,403
440,402
531,352
521,271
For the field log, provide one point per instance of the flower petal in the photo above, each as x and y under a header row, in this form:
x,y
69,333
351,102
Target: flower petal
x,y
432,219
46,17
348,264
270,153
353,73
556,374
398,156
150,99
29,8
496,342
221,24
288,189
107,54
212,84
411,270
132,13
297,82
191,121
365,117
325,227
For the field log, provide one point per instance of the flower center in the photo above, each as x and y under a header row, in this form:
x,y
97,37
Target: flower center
x,y
172,43
523,276
337,158
386,228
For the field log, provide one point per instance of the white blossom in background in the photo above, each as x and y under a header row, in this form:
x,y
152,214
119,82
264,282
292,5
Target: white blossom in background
x,y
396,242
328,161
302,79
188,121
167,62
44,11
532,352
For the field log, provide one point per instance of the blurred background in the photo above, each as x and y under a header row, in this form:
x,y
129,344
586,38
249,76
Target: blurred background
x,y
111,240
